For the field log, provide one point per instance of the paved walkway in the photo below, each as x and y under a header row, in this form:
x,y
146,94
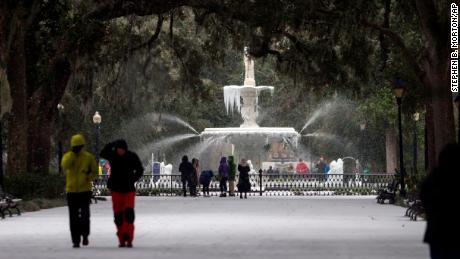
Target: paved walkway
x,y
268,227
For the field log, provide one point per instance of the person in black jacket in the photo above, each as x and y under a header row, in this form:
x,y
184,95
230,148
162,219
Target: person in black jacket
x,y
439,198
244,185
126,169
186,171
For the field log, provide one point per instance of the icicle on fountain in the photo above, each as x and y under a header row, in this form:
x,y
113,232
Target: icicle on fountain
x,y
249,139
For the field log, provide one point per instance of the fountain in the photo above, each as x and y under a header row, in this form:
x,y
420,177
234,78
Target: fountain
x,y
249,139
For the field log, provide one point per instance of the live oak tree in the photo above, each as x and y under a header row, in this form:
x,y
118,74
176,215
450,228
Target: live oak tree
x,y
329,44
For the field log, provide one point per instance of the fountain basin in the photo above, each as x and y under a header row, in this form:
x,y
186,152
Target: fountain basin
x,y
284,132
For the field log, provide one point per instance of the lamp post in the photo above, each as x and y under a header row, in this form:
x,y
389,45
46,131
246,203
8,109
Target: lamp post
x,y
398,92
362,126
60,108
1,151
97,119
416,117
457,103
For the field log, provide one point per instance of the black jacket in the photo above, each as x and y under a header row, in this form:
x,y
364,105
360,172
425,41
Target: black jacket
x,y
125,170
186,171
244,185
439,195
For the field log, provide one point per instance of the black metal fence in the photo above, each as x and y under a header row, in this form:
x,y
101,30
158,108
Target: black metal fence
x,y
267,184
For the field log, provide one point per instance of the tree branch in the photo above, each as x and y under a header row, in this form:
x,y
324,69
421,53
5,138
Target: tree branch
x,y
428,19
154,36
398,41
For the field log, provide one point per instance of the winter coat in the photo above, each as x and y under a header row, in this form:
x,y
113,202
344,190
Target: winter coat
x,y
125,170
439,194
232,169
437,197
186,170
223,168
243,181
206,177
196,170
80,168
301,168
321,167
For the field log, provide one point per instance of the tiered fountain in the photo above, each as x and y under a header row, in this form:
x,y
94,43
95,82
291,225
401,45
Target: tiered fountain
x,y
249,139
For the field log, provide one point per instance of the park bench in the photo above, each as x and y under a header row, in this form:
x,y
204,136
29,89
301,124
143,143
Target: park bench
x,y
3,206
388,193
8,203
414,206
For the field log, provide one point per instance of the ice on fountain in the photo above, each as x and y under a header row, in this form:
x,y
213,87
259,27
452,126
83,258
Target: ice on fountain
x,y
232,97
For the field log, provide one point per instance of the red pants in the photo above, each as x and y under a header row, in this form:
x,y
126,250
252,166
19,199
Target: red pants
x,y
123,211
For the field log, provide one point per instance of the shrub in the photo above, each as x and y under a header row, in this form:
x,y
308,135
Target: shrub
x,y
32,186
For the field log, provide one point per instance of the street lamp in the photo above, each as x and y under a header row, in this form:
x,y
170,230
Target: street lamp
x,y
398,92
362,126
457,102
1,150
97,119
60,108
416,117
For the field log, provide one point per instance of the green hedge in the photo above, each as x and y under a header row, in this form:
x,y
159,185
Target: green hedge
x,y
33,186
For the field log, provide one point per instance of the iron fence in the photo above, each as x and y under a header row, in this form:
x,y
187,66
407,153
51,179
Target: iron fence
x,y
266,184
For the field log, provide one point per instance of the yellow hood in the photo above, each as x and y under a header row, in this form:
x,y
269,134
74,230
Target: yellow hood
x,y
77,140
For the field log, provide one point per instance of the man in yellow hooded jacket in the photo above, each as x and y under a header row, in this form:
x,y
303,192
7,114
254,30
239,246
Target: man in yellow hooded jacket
x,y
81,169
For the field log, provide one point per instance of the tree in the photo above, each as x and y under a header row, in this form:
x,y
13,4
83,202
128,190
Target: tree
x,y
325,43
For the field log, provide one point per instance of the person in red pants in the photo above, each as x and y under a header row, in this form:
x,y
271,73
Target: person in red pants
x,y
126,169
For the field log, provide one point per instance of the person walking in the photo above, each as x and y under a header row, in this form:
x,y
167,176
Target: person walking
x,y
205,180
321,165
439,193
194,178
302,168
81,169
223,175
126,169
186,171
231,175
244,185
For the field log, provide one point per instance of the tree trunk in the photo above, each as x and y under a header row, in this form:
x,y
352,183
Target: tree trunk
x,y
42,109
436,64
39,136
17,132
391,145
440,115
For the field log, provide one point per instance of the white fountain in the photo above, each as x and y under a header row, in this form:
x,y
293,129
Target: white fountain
x,y
249,137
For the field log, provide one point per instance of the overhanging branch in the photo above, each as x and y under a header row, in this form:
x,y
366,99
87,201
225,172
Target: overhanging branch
x,y
154,36
398,41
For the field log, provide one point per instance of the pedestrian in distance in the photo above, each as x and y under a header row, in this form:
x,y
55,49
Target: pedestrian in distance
x,y
81,169
205,180
223,176
302,168
439,194
231,175
194,178
244,185
321,165
126,170
186,171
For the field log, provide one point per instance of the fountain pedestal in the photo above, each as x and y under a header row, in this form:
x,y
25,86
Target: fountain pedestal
x,y
249,140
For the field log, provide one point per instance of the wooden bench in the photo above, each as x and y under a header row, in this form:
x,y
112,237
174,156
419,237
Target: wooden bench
x,y
389,193
414,206
9,204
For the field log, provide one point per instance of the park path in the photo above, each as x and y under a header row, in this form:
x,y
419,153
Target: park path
x,y
259,227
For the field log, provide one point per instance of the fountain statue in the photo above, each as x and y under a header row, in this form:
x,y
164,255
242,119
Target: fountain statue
x,y
248,92
249,139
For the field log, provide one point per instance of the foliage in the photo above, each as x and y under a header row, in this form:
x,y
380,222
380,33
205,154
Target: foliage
x,y
310,50
33,186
